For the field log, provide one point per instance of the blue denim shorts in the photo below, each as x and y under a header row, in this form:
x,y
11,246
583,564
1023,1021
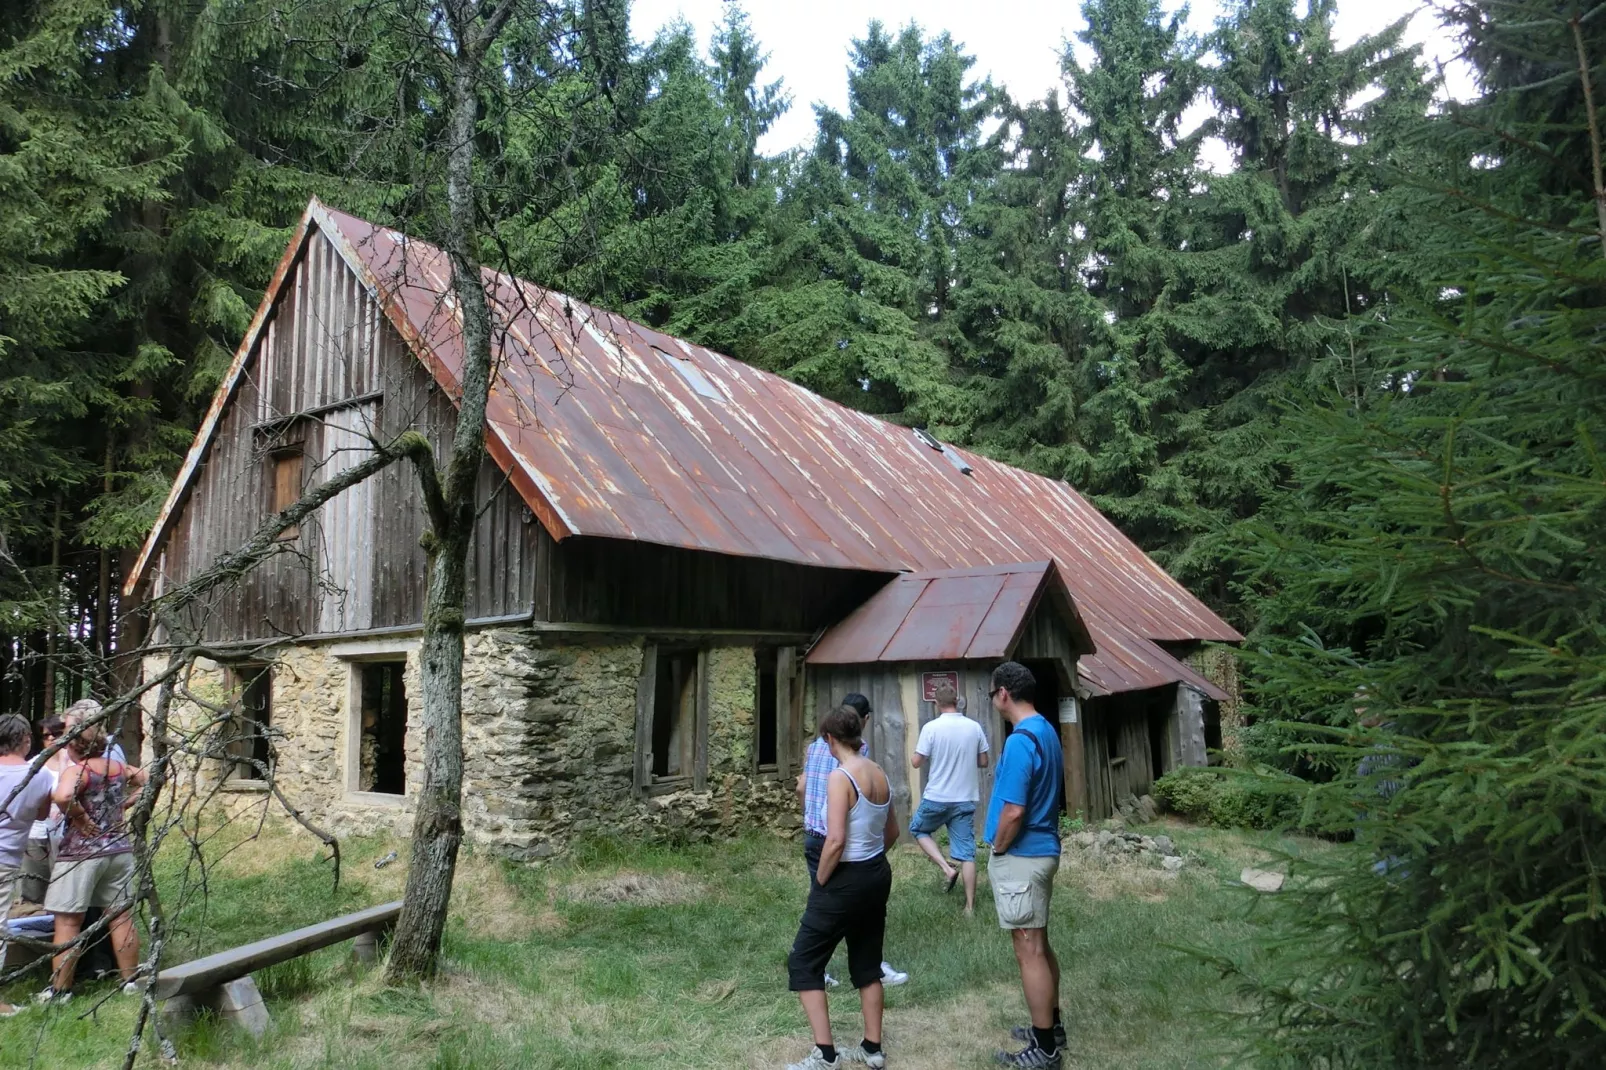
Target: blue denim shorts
x,y
960,819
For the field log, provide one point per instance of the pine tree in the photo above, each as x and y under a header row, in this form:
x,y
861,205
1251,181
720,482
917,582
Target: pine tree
x,y
1301,237
1025,317
1135,203
80,147
1435,568
858,290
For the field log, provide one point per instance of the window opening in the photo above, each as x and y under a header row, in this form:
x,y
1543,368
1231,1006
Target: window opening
x,y
382,762
674,714
767,707
693,375
248,745
286,487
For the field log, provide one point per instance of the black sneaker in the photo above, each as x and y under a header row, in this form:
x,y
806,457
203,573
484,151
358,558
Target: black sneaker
x,y
1032,1057
1024,1034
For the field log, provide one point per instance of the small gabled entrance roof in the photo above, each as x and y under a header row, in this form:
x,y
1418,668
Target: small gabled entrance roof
x,y
957,614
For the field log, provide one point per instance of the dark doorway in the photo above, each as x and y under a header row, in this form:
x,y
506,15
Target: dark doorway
x,y
766,707
384,729
1048,700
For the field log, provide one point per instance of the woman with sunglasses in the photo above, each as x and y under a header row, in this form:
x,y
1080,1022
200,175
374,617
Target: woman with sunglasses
x,y
36,857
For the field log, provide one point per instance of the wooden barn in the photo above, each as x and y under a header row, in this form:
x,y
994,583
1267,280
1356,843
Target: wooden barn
x,y
681,562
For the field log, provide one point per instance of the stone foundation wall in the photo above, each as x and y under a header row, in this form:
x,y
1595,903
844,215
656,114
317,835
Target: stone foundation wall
x,y
549,745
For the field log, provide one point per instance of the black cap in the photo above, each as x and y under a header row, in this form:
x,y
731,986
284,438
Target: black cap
x,y
858,702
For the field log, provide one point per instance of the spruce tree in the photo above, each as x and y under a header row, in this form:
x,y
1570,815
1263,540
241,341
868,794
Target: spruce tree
x,y
1292,248
858,289
1135,202
1434,565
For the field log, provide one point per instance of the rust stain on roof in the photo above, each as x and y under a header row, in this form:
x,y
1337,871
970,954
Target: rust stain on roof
x,y
965,614
605,433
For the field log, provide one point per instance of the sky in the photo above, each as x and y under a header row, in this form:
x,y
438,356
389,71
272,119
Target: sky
x,y
1018,42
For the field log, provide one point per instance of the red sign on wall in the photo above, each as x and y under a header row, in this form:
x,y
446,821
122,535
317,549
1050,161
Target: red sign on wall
x,y
930,680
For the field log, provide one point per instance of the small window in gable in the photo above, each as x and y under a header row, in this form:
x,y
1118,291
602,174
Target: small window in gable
x,y
693,375
286,486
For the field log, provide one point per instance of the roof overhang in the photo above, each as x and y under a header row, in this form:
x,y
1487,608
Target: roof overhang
x,y
960,614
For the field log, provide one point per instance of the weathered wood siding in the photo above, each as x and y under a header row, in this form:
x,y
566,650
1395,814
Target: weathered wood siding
x,y
635,584
1118,735
329,371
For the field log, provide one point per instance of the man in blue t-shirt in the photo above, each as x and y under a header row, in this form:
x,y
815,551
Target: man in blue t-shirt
x,y
1023,828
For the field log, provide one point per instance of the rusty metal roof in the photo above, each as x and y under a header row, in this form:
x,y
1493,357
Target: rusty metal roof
x,y
949,615
611,429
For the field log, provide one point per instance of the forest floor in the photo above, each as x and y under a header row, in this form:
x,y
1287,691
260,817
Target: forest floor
x,y
624,956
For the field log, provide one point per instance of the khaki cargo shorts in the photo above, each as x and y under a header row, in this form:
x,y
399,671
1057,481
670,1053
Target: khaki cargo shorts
x,y
1022,889
76,884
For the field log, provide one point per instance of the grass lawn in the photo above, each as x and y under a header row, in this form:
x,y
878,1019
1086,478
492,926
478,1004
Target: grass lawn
x,y
632,956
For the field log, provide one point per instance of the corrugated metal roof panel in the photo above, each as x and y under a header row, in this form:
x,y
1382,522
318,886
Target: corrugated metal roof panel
x,y
974,614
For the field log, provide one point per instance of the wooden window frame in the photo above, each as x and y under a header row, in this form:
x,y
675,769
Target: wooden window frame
x,y
788,715
356,654
646,699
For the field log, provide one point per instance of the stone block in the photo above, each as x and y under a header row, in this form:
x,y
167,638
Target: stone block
x,y
1261,880
237,1003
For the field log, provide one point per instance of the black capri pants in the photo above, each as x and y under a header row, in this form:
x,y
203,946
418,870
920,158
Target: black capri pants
x,y
851,906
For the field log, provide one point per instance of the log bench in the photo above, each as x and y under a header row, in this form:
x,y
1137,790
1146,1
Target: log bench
x,y
222,981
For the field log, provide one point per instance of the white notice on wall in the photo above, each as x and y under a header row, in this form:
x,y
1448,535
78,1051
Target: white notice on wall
x,y
1068,710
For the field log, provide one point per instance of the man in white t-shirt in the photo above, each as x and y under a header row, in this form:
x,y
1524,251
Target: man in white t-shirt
x,y
954,750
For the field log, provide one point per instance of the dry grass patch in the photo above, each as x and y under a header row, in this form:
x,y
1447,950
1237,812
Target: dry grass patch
x,y
637,889
958,1034
1104,879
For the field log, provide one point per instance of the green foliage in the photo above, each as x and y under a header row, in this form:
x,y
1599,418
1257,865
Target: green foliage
x,y
1431,597
1230,799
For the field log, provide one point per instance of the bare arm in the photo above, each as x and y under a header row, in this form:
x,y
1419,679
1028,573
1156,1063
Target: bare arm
x,y
838,801
136,778
981,759
918,760
800,785
66,788
1009,823
891,833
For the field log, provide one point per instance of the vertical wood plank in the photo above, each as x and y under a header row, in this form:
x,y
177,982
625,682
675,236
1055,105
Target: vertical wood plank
x,y
646,688
700,763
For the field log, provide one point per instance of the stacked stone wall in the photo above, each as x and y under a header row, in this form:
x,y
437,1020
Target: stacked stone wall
x,y
549,727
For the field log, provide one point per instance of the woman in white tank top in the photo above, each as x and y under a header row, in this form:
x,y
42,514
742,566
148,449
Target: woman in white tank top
x,y
849,898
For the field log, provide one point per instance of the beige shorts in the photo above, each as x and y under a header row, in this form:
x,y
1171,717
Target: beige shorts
x,y
76,884
10,890
1022,889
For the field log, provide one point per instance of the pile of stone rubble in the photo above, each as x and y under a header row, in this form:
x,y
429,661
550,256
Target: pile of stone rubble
x,y
1122,847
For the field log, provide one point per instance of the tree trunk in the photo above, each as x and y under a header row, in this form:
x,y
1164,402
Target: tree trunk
x,y
438,819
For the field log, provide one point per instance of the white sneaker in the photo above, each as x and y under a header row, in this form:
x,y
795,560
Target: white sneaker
x,y
832,982
816,1061
132,988
891,978
50,995
857,1054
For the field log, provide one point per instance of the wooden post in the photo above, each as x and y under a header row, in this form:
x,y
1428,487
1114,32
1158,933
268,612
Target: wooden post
x,y
1070,718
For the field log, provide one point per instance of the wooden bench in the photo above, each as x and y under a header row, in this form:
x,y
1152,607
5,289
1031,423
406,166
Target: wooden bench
x,y
222,981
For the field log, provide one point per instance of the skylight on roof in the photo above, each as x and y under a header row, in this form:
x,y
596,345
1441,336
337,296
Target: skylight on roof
x,y
693,375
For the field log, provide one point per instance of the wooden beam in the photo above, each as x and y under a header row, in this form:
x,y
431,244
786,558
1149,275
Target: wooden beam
x,y
214,971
